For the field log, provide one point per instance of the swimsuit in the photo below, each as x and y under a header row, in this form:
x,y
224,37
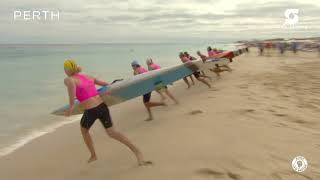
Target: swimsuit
x,y
154,67
85,90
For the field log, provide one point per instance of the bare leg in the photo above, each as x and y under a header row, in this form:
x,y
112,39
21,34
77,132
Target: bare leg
x,y
187,82
217,70
88,140
205,76
192,79
149,105
161,94
149,112
204,82
171,96
124,140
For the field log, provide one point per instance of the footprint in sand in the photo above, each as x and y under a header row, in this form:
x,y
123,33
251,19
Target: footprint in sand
x,y
279,107
271,110
194,112
207,172
250,110
281,125
247,111
280,115
210,172
234,176
299,121
287,175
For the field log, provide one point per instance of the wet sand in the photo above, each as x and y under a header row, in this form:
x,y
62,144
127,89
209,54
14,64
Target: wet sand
x,y
249,126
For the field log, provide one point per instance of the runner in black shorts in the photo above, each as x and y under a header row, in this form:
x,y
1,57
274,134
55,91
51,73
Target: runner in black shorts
x,y
196,74
83,88
137,69
146,97
100,112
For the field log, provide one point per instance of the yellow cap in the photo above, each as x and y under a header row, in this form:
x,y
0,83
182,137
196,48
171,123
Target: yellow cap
x,y
70,64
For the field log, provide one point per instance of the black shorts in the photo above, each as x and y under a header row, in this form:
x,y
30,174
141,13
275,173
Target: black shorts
x,y
100,112
196,74
147,97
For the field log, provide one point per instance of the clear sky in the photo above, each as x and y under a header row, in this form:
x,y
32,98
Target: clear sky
x,y
109,21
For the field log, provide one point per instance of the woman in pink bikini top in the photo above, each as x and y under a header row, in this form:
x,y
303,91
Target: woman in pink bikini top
x,y
83,88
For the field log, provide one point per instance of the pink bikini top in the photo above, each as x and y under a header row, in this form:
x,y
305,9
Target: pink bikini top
x,y
86,88
154,67
141,70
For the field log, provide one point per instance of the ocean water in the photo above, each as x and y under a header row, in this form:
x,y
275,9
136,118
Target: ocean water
x,y
32,76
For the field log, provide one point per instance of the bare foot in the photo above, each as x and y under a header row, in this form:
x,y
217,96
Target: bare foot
x,y
149,119
92,158
145,163
141,161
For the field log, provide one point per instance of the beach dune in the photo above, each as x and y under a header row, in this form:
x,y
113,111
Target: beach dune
x,y
249,125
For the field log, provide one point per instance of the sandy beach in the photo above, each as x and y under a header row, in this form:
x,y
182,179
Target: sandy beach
x,y
249,126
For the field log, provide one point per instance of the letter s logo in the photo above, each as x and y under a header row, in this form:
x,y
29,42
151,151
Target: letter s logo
x,y
292,17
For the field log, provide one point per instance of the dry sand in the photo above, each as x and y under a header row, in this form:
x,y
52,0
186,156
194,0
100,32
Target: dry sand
x,y
249,126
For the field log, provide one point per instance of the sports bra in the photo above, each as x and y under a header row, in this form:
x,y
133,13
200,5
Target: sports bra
x,y
86,87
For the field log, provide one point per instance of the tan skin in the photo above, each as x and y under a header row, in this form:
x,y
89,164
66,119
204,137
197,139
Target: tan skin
x,y
181,56
185,78
217,69
166,91
92,102
150,104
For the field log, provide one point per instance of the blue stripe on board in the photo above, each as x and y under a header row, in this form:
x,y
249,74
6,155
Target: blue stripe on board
x,y
149,85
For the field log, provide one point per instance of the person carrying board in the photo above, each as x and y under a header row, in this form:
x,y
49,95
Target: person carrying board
x,y
83,87
137,69
152,66
197,75
217,69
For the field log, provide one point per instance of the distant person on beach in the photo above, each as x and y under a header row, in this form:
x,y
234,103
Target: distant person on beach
x,y
202,56
294,47
137,69
82,87
281,47
261,48
217,69
186,60
191,58
162,89
196,74
187,55
212,52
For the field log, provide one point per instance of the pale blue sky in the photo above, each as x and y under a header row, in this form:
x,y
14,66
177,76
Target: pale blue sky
x,y
108,21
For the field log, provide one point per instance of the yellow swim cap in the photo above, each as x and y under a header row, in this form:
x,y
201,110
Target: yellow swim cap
x,y
70,64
